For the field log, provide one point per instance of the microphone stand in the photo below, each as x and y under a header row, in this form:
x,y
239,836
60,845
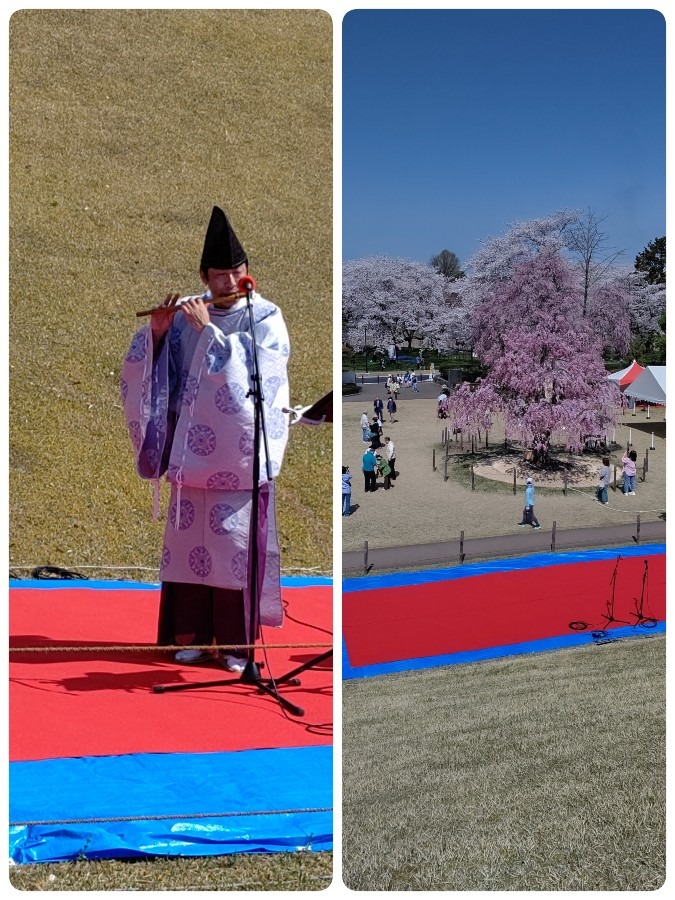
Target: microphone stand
x,y
251,674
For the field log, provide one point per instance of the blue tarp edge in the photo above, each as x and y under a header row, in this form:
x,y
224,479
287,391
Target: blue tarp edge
x,y
75,583
279,800
512,564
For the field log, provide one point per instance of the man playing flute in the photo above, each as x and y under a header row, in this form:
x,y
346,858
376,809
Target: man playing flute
x,y
185,388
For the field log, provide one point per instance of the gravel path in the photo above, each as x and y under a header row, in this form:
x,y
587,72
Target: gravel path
x,y
424,508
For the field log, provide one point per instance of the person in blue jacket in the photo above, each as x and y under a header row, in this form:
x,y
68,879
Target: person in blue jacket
x,y
529,517
346,491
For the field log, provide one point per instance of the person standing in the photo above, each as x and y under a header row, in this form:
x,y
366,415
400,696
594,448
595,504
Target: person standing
x,y
185,385
384,469
391,408
378,406
529,517
346,491
413,381
391,456
369,467
395,389
629,461
375,433
605,475
365,426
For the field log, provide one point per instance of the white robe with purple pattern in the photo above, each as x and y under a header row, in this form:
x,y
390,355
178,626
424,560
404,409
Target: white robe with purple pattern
x,y
189,417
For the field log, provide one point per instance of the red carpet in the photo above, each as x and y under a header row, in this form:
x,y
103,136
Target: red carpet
x,y
495,609
102,703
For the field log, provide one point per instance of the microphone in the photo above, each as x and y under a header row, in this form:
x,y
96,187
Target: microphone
x,y
246,283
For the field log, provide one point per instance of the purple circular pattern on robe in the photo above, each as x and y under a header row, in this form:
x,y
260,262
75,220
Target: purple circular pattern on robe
x,y
230,398
188,388
276,468
276,423
238,565
223,481
285,350
166,557
246,444
124,389
216,358
223,519
152,456
271,387
201,440
172,474
187,514
135,434
136,351
200,561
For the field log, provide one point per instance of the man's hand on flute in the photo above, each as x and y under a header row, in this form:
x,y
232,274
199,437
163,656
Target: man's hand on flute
x,y
162,317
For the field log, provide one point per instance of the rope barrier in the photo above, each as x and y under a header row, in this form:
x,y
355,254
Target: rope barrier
x,y
145,648
141,818
106,568
628,512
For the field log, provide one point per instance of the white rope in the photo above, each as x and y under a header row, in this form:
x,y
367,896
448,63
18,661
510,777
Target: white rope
x,y
628,512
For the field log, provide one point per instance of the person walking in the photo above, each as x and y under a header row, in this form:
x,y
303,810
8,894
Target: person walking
x,y
529,517
391,456
603,483
391,408
369,467
378,406
365,426
346,491
629,461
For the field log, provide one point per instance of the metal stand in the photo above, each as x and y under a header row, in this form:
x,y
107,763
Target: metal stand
x,y
251,674
609,615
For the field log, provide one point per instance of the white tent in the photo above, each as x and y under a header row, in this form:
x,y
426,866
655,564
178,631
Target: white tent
x,y
650,386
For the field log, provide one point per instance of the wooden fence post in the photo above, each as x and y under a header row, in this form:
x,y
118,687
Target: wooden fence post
x,y
473,479
615,479
637,537
461,546
433,460
514,482
565,482
365,557
445,469
553,536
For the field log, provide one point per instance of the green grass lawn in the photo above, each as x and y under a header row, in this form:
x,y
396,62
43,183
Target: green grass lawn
x,y
537,772
126,127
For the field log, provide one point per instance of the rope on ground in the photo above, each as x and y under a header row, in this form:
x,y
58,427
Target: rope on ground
x,y
628,512
141,818
53,570
145,648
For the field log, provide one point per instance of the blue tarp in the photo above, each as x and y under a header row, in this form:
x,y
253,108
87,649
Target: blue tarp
x,y
278,800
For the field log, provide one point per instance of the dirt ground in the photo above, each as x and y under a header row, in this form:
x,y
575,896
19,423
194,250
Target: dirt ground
x,y
423,507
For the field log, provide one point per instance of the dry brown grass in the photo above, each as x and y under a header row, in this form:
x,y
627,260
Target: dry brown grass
x,y
538,772
126,126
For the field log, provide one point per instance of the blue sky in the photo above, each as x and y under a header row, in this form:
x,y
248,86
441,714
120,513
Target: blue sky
x,y
458,122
